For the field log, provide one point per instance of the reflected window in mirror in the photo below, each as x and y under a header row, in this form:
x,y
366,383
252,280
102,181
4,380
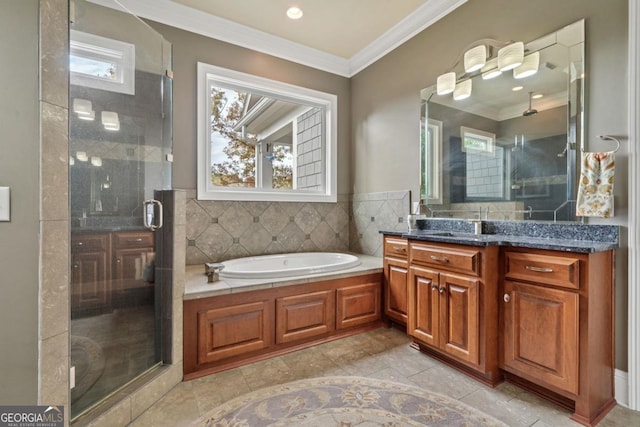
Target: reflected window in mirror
x,y
260,139
508,151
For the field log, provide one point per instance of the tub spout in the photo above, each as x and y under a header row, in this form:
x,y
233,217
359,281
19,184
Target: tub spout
x,y
212,270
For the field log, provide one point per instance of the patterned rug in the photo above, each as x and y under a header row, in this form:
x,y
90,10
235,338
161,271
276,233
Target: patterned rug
x,y
344,402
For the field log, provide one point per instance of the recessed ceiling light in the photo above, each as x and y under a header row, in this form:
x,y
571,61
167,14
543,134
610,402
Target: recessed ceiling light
x,y
517,88
537,96
294,12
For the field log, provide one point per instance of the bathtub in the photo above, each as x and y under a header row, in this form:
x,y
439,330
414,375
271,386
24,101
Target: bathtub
x,y
287,265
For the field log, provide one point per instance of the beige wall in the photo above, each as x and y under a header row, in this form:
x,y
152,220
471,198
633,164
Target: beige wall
x,y
385,96
190,48
19,145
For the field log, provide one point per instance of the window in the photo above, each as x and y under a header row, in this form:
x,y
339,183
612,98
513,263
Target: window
x,y
102,63
260,139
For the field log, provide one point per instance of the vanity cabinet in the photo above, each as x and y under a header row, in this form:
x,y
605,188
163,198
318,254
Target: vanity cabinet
x,y
396,275
452,309
133,255
90,274
558,327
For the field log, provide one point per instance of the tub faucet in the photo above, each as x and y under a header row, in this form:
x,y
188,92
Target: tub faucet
x,y
212,270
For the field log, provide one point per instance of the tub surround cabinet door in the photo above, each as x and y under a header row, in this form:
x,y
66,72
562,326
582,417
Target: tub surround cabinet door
x,y
304,316
226,332
452,311
357,305
557,322
90,267
396,275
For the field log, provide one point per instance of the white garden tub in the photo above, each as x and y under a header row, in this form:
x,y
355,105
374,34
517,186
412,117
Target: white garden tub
x,y
287,265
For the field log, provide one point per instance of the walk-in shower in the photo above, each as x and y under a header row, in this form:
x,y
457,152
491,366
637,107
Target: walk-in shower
x,y
119,155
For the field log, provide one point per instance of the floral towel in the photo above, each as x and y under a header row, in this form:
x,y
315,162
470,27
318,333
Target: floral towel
x,y
595,190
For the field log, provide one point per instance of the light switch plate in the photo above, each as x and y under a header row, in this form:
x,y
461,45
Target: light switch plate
x,y
5,204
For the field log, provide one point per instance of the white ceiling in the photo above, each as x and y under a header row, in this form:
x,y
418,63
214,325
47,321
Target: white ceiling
x,y
338,36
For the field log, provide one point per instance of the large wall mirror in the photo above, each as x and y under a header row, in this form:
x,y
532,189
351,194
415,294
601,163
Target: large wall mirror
x,y
508,150
261,139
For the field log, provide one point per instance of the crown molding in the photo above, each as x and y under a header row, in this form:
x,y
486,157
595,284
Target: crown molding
x,y
180,16
424,16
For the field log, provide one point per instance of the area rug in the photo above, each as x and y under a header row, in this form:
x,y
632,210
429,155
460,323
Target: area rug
x,y
88,358
344,402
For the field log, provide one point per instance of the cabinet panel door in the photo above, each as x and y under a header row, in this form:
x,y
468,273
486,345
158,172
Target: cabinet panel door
x,y
232,331
304,316
424,321
395,289
89,281
541,334
357,305
459,317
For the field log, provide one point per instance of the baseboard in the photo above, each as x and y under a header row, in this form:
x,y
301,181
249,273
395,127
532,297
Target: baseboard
x,y
621,387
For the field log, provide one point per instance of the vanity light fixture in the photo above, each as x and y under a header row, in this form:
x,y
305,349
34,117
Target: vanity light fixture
x,y
511,56
72,161
294,12
83,109
82,156
490,70
475,58
110,120
528,67
446,83
462,90
96,161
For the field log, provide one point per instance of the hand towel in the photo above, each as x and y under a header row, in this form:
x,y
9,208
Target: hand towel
x,y
595,189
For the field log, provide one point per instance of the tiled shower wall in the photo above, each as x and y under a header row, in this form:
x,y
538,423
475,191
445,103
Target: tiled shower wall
x,y
222,230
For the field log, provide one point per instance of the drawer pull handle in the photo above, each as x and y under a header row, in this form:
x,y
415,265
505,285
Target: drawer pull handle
x,y
79,244
134,240
539,269
439,259
399,249
441,289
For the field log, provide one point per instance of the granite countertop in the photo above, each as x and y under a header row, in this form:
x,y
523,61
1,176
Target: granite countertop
x,y
196,285
567,237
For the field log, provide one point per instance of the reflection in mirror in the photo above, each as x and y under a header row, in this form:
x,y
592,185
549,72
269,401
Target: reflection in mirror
x,y
508,151
263,140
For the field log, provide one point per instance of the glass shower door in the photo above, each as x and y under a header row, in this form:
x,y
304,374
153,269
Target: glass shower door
x,y
119,155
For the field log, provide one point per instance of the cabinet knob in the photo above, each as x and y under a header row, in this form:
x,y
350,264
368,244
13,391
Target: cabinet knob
x,y
118,260
506,298
441,289
434,286
75,265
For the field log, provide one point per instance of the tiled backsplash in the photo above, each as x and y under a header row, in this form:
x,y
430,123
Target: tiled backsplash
x,y
372,212
222,230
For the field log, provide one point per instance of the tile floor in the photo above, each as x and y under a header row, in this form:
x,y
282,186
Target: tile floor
x,y
382,353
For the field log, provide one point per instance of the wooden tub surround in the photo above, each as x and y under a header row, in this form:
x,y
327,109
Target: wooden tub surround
x,y
232,329
540,318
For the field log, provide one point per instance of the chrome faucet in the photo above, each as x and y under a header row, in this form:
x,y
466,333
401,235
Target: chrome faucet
x,y
212,270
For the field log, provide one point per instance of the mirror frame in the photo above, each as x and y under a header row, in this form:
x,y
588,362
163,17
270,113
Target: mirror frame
x,y
432,192
208,74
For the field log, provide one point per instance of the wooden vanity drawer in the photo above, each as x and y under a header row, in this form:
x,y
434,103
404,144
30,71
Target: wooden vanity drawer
x,y
552,270
89,242
446,258
395,247
133,239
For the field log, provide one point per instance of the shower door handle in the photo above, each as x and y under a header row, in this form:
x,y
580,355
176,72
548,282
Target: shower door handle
x,y
149,213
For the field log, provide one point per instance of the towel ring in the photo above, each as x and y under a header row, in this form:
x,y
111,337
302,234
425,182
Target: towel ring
x,y
610,138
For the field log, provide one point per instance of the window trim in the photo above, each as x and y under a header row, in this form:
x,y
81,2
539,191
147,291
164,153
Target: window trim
x,y
208,74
